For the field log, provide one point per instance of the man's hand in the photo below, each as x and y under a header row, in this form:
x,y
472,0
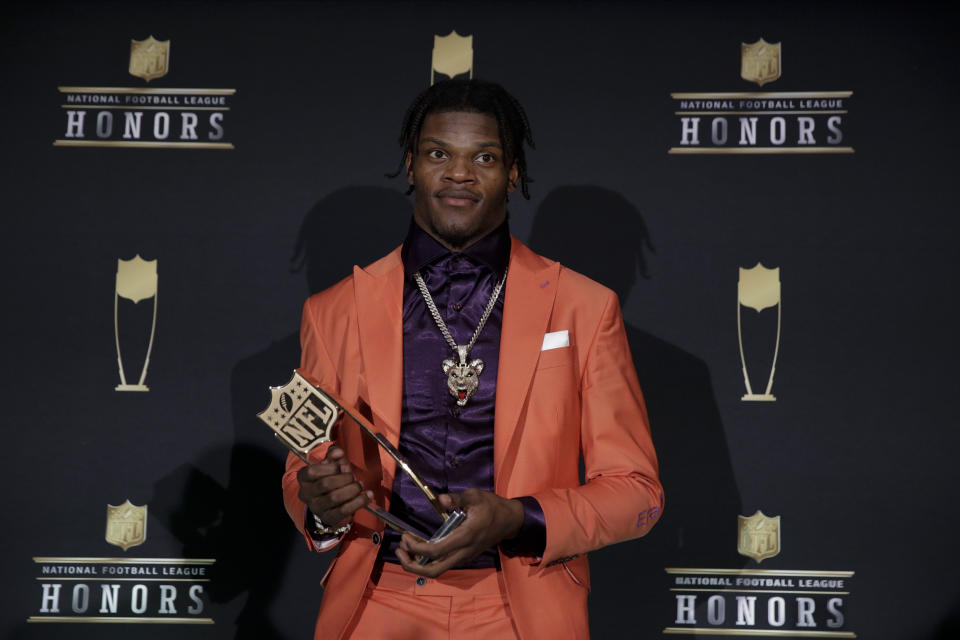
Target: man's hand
x,y
490,519
330,490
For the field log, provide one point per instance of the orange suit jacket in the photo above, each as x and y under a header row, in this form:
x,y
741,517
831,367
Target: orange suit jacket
x,y
551,406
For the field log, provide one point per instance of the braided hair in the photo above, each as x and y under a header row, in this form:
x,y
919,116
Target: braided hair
x,y
472,96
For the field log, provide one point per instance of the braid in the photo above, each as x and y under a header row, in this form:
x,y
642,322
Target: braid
x,y
475,96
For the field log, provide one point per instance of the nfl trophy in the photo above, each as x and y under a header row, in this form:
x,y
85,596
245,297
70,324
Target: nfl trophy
x,y
136,281
302,416
759,289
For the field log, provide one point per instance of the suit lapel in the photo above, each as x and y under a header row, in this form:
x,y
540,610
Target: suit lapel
x,y
379,298
528,302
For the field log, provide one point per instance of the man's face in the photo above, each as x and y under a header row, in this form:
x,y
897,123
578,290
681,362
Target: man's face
x,y
460,177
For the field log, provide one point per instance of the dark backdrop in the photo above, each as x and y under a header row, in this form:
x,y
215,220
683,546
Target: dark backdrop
x,y
857,455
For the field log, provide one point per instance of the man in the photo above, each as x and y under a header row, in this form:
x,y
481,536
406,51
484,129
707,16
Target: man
x,y
492,369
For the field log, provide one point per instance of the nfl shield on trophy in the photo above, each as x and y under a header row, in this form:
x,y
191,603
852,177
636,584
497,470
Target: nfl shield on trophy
x,y
452,55
758,289
136,281
303,416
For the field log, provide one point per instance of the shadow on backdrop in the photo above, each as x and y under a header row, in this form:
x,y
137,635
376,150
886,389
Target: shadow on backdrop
x,y
598,233
949,628
245,526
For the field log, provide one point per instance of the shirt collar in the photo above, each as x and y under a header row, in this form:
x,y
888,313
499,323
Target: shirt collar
x,y
492,250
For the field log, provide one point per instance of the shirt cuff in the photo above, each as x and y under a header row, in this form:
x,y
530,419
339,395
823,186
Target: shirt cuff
x,y
321,542
532,539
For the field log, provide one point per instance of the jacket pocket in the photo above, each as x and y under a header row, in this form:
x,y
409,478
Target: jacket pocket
x,y
558,357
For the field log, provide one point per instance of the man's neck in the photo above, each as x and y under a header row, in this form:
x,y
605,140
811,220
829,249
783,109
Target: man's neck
x,y
467,244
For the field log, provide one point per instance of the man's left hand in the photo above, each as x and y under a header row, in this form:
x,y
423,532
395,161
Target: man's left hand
x,y
490,519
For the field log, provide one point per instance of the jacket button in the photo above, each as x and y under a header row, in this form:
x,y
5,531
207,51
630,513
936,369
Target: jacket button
x,y
421,581
376,538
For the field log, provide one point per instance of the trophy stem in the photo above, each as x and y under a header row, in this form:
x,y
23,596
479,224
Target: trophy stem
x,y
153,331
743,358
403,464
396,522
776,350
116,333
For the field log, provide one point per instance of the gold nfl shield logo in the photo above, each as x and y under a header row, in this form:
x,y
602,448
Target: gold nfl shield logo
x,y
150,58
758,536
760,61
126,525
301,415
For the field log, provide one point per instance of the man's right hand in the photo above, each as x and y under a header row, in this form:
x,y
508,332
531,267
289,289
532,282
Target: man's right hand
x,y
330,490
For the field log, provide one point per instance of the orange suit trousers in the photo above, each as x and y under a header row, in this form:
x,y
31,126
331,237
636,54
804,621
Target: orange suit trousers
x,y
461,604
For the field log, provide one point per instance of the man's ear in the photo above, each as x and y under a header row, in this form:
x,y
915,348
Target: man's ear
x,y
513,177
408,162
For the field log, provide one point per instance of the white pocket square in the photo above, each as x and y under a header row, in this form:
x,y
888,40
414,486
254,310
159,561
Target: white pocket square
x,y
555,340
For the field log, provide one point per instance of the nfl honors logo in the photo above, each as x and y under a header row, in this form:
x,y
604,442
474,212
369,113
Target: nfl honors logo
x,y
760,61
150,58
758,536
126,525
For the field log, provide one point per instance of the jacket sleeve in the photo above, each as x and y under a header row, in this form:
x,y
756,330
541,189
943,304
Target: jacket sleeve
x,y
316,365
622,497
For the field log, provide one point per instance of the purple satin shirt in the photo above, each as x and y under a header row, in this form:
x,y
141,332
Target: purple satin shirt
x,y
451,447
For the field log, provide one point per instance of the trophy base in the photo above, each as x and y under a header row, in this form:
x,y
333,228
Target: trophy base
x,y
132,387
758,397
449,525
